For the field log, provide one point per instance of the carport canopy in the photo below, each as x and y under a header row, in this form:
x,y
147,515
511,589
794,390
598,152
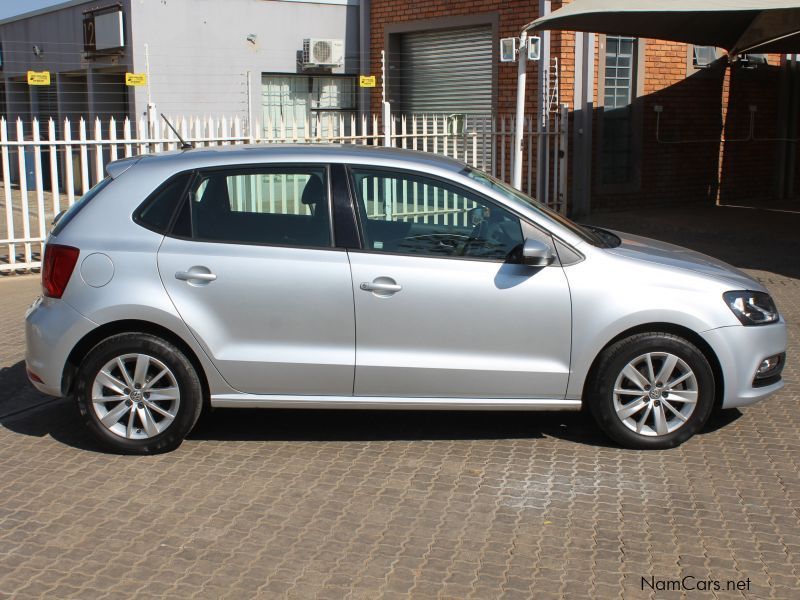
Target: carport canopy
x,y
738,26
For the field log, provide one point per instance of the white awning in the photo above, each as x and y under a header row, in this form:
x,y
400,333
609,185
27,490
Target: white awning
x,y
738,26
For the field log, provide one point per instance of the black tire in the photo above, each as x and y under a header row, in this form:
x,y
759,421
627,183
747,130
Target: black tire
x,y
599,391
185,375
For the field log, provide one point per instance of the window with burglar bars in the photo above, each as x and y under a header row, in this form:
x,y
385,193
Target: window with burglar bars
x,y
619,81
311,104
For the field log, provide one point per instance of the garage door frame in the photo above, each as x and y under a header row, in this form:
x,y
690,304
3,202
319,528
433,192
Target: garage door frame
x,y
392,41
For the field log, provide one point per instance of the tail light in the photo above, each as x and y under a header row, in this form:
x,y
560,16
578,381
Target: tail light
x,y
59,262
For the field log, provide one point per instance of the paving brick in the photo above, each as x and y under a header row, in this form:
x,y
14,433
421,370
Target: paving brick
x,y
305,504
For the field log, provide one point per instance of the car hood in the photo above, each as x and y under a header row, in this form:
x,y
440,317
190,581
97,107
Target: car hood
x,y
677,257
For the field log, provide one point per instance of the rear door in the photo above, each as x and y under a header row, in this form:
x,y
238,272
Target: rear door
x,y
252,270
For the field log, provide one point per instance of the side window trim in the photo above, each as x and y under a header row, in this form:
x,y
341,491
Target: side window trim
x,y
244,169
183,202
345,220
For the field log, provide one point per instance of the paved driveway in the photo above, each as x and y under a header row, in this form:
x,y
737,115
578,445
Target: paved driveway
x,y
390,505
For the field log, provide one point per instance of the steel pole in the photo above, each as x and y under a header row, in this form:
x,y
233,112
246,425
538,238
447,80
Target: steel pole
x,y
516,158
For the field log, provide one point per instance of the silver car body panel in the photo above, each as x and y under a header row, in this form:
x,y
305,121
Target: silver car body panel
x,y
276,320
52,329
740,351
510,354
461,328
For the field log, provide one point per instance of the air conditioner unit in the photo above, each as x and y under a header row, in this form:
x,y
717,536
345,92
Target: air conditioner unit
x,y
323,53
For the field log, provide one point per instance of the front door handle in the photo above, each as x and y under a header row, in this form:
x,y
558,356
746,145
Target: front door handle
x,y
196,275
381,286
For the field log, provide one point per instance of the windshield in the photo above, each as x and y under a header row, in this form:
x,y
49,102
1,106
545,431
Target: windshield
x,y
595,236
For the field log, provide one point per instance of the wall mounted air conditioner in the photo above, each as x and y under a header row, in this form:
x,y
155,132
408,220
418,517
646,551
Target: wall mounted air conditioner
x,y
319,52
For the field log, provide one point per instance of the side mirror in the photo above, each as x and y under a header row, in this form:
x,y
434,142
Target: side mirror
x,y
536,254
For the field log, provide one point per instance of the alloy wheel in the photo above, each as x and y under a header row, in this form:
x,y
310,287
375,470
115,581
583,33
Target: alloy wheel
x,y
655,394
135,396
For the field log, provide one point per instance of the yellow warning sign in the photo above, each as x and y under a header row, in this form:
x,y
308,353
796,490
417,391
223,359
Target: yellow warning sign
x,y
38,77
366,81
135,79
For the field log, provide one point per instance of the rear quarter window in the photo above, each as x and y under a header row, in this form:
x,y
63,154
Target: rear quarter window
x,y
157,211
79,205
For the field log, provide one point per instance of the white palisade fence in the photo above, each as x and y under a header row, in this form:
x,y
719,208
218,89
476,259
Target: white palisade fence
x,y
46,166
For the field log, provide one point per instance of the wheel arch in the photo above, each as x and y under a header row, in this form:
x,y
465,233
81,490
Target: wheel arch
x,y
94,337
679,330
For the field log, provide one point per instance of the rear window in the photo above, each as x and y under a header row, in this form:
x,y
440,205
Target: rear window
x,y
79,205
285,205
156,212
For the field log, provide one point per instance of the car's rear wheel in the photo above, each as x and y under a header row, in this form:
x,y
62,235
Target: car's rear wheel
x,y
138,393
651,391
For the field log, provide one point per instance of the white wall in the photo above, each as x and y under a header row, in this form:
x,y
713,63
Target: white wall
x,y
199,52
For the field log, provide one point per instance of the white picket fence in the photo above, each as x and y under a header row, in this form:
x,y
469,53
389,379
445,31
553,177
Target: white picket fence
x,y
45,167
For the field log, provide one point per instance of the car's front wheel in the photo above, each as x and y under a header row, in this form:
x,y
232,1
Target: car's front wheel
x,y
651,391
138,393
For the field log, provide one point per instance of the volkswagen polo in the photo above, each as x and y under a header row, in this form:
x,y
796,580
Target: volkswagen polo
x,y
356,277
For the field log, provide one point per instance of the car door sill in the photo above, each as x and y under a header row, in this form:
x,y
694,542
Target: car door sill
x,y
390,403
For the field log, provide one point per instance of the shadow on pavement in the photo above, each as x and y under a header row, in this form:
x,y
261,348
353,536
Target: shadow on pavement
x,y
60,419
383,425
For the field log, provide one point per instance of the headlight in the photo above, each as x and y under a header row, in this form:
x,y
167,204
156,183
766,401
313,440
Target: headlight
x,y
752,308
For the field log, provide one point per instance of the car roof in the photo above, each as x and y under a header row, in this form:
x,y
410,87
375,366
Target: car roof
x,y
255,153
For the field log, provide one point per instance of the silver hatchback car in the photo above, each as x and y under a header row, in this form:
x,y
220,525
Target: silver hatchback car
x,y
356,277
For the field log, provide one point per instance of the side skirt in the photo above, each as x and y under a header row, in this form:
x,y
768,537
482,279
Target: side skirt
x,y
386,403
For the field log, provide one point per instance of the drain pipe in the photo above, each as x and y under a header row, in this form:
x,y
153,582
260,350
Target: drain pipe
x,y
364,68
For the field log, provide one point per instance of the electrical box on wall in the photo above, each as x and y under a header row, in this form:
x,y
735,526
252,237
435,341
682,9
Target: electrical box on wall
x,y
323,52
103,30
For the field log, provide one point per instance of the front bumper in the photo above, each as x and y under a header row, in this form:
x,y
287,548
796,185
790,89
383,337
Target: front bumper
x,y
740,351
52,329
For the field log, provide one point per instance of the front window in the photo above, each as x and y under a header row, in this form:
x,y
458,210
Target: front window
x,y
409,213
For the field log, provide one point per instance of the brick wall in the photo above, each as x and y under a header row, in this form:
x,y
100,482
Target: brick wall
x,y
513,16
687,160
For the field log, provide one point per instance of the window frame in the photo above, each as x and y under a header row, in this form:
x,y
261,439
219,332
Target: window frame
x,y
528,228
637,117
691,68
257,168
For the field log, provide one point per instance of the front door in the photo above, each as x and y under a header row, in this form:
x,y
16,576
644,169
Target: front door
x,y
440,312
252,271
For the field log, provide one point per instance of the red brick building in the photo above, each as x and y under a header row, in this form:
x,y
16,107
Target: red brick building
x,y
669,123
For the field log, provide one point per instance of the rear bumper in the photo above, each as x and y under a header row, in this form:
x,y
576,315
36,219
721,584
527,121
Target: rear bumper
x,y
740,351
52,329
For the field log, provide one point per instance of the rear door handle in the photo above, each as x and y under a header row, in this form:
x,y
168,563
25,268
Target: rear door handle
x,y
196,274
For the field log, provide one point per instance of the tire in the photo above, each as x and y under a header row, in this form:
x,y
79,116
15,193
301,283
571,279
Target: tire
x,y
637,412
152,418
